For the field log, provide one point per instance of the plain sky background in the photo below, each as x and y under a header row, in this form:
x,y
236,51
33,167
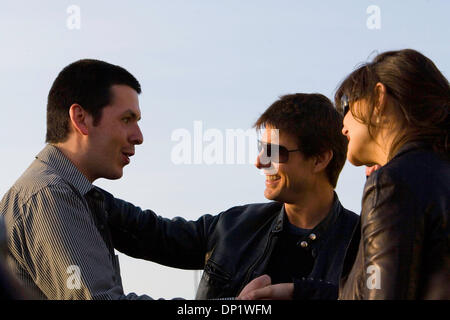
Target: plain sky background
x,y
219,62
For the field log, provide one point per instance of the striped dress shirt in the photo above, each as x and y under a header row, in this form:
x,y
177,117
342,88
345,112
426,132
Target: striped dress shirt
x,y
58,237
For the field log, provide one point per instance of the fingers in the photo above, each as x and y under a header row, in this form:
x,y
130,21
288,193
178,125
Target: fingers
x,y
258,294
282,291
255,284
262,281
370,170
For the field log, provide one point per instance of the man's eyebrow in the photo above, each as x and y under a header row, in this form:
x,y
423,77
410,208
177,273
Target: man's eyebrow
x,y
132,114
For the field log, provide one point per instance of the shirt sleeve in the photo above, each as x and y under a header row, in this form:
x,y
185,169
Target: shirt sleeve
x,y
314,289
64,253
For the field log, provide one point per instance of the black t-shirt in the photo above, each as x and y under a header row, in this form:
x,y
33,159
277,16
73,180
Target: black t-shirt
x,y
289,259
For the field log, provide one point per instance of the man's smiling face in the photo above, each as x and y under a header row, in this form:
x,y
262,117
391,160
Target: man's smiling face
x,y
285,181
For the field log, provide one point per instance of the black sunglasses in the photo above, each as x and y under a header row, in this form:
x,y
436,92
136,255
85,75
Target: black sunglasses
x,y
274,152
344,107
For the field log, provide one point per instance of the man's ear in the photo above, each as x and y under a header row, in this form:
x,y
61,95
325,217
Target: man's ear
x,y
79,119
322,160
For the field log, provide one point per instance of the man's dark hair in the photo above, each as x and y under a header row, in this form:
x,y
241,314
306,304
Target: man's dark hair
x,y
87,83
315,123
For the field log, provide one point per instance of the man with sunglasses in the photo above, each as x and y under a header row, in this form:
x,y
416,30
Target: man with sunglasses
x,y
300,237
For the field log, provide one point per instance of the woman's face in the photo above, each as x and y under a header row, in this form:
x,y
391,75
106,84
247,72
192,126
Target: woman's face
x,y
362,148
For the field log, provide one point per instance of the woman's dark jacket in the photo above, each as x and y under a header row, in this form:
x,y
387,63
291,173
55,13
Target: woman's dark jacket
x,y
402,251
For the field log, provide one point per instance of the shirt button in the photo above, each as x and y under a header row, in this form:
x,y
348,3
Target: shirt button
x,y
312,236
303,244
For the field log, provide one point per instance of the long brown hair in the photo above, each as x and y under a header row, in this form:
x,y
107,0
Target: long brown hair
x,y
419,91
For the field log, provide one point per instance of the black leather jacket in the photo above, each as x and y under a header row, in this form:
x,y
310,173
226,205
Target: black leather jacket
x,y
405,230
233,247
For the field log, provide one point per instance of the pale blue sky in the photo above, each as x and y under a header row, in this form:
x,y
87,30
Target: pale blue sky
x,y
219,62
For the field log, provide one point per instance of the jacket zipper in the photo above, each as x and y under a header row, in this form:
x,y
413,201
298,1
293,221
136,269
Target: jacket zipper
x,y
252,268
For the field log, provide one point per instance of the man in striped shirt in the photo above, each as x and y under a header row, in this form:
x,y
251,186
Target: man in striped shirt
x,y
58,240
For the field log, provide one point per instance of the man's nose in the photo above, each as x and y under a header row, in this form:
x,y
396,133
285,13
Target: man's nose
x,y
137,137
262,164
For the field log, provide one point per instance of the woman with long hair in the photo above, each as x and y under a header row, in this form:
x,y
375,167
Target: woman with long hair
x,y
396,115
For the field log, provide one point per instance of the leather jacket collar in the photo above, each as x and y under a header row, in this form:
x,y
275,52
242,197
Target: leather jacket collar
x,y
411,145
320,230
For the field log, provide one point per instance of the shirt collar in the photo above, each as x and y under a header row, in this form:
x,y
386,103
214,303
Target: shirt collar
x,y
54,158
320,230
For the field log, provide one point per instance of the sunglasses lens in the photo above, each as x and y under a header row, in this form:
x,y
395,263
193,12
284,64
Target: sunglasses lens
x,y
344,105
265,152
262,146
283,154
346,108
269,150
273,152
